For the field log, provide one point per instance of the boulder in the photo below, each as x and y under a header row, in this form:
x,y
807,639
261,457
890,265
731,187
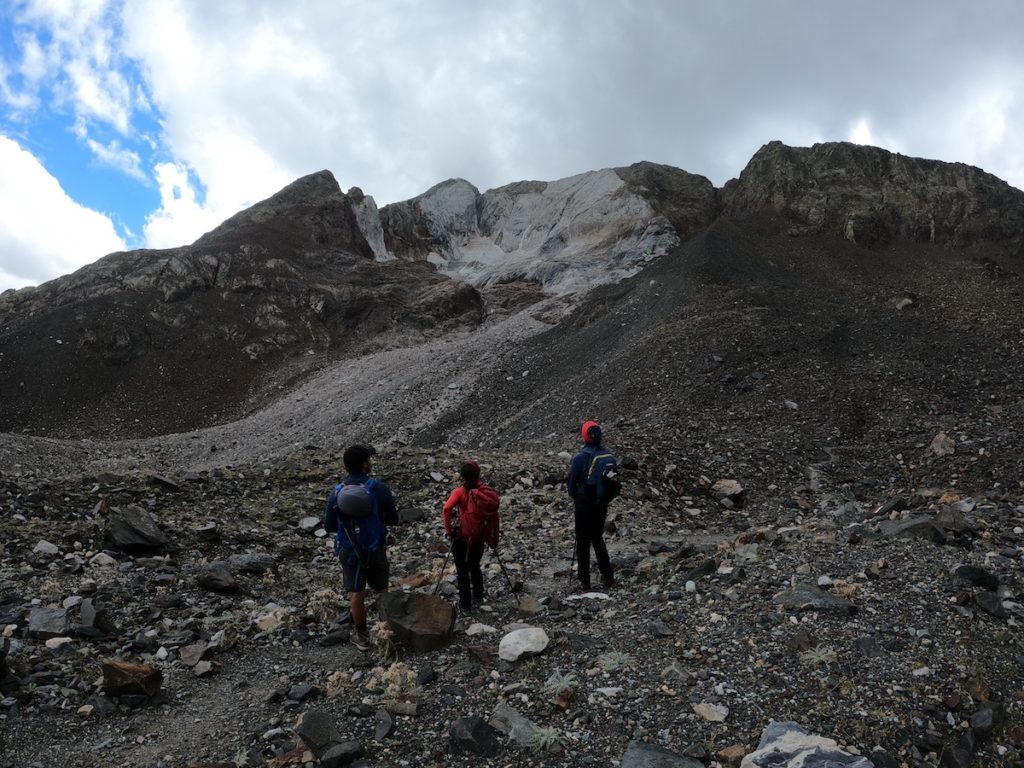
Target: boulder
x,y
309,524
94,621
991,603
474,736
342,754
728,489
785,744
640,755
517,729
420,622
45,623
805,597
974,576
527,641
121,678
913,527
318,731
252,562
134,529
217,577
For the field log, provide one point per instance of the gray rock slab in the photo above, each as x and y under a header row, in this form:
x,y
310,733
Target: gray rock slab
x,y
805,597
45,623
640,755
518,729
913,527
252,562
133,528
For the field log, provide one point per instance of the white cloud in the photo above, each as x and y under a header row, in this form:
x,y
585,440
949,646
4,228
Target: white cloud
x,y
861,133
43,232
113,154
180,211
396,96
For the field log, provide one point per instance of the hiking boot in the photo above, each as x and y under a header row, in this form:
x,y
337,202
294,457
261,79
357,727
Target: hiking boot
x,y
607,582
464,611
360,639
581,588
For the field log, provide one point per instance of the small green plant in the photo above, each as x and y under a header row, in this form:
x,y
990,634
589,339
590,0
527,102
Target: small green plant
x,y
613,661
821,654
561,685
547,740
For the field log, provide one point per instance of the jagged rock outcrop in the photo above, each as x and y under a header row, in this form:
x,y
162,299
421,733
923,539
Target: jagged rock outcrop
x,y
567,235
869,195
145,342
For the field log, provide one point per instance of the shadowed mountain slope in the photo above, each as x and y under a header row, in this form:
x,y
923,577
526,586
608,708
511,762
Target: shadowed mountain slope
x,y
706,346
149,342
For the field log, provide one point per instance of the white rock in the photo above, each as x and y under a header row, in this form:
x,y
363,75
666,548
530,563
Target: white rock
x,y
522,642
71,602
477,628
824,581
102,559
691,586
309,524
713,713
588,596
943,445
791,405
609,692
58,642
46,548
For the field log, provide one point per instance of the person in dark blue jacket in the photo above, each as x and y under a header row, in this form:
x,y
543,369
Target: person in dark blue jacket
x,y
367,564
585,488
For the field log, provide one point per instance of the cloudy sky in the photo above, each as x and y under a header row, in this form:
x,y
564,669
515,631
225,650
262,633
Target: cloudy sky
x,y
144,123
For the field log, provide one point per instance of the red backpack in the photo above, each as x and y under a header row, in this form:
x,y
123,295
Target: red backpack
x,y
479,520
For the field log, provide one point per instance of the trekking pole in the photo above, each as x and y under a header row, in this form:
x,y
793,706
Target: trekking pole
x,y
508,578
575,543
443,568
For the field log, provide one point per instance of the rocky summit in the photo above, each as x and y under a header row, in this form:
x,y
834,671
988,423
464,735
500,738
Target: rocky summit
x,y
813,379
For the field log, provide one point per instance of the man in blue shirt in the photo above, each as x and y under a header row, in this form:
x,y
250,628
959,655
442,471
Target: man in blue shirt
x,y
586,488
364,561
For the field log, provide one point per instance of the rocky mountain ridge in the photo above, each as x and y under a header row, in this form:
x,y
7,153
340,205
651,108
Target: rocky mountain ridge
x,y
312,275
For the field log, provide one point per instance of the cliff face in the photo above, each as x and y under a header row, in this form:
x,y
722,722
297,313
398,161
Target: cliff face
x,y
567,235
869,195
156,341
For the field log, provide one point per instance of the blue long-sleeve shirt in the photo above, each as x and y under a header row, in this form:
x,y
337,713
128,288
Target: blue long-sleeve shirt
x,y
386,507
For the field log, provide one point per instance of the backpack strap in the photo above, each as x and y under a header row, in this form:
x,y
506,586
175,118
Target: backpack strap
x,y
597,458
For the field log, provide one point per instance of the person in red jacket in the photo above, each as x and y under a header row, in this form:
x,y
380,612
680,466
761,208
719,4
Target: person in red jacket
x,y
467,551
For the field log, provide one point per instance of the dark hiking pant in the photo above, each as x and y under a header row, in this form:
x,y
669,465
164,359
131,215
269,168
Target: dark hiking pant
x,y
467,569
590,519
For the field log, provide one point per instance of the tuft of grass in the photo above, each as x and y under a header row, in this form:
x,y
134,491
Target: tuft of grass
x,y
561,685
822,654
547,740
613,661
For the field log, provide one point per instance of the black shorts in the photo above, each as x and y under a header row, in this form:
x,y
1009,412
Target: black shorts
x,y
373,570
